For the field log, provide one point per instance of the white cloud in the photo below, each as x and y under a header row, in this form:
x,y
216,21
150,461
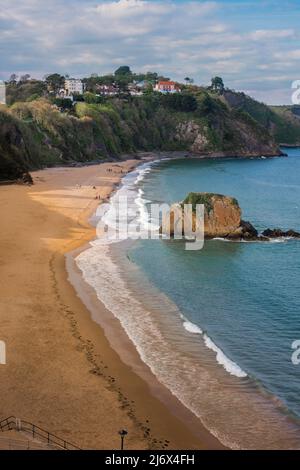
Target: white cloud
x,y
291,55
199,38
131,8
264,34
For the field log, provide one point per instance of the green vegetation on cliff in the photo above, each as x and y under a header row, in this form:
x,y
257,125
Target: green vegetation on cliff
x,y
35,133
207,199
200,198
283,122
25,91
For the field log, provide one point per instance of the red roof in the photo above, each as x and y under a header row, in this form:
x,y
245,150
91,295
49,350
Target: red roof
x,y
167,83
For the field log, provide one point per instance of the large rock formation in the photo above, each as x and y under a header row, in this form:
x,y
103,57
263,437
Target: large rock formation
x,y
222,214
222,219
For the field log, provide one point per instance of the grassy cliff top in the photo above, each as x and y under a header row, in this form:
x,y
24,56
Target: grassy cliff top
x,y
207,199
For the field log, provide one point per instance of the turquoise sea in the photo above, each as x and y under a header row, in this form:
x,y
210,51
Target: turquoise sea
x,y
216,326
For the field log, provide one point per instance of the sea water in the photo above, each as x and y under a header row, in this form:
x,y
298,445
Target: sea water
x,y
216,326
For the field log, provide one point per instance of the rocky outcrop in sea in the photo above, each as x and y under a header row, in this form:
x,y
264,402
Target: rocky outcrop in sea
x,y
222,219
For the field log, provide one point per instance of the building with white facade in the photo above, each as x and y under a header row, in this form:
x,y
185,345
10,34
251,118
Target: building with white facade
x,y
167,87
73,86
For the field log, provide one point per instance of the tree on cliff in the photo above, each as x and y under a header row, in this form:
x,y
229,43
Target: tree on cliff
x,y
124,70
122,84
93,82
217,85
13,79
91,98
24,78
179,102
54,82
189,81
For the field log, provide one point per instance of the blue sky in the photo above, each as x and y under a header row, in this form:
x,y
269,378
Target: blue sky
x,y
254,45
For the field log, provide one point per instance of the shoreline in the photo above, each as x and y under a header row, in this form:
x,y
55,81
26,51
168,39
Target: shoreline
x,y
141,155
121,348
61,372
120,343
128,355
290,146
182,154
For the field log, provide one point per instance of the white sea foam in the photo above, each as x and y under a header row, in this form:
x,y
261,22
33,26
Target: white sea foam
x,y
188,378
193,384
137,206
228,365
135,222
105,276
192,328
280,239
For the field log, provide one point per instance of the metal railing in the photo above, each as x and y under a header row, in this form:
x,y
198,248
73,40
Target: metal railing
x,y
13,423
6,443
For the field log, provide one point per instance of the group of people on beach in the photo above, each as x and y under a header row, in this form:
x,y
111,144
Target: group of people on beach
x,y
110,170
97,197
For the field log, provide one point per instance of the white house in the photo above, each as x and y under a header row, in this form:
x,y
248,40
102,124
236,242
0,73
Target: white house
x,y
167,87
73,86
108,90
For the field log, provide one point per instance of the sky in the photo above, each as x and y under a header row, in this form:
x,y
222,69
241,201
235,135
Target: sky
x,y
253,44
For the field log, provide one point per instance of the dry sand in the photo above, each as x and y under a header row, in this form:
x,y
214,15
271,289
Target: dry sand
x,y
62,372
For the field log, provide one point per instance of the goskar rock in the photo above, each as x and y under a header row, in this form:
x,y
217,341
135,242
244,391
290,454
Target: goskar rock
x,y
222,214
222,218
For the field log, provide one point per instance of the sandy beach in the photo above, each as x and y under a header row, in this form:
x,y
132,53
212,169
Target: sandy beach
x,y
62,372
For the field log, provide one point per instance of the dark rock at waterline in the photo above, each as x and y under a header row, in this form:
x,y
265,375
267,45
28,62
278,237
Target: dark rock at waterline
x,y
278,233
249,231
245,231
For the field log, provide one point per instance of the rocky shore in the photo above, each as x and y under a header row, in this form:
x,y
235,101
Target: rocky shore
x,y
222,219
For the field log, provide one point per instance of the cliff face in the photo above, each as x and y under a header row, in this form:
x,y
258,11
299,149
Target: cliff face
x,y
282,122
239,138
222,216
13,152
37,134
194,135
